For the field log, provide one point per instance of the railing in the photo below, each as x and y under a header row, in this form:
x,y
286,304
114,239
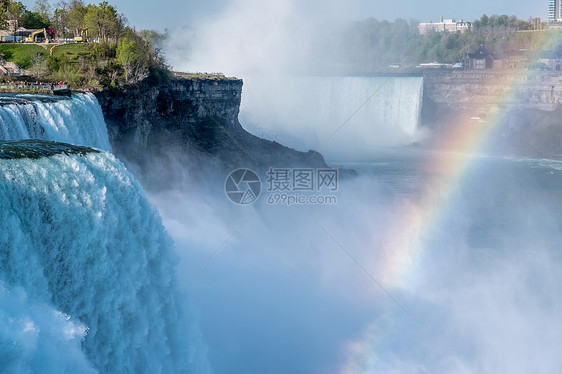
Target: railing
x,y
197,74
35,86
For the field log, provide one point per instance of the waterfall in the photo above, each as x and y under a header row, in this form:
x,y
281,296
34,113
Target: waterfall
x,y
87,269
343,117
78,120
85,259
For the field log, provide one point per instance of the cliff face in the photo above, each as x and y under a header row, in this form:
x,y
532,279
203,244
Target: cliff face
x,y
529,103
190,122
483,89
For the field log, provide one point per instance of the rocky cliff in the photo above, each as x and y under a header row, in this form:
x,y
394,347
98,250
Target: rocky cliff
x,y
527,103
190,123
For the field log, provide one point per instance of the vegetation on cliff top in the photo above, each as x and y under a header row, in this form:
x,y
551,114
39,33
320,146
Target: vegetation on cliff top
x,y
115,55
368,44
118,55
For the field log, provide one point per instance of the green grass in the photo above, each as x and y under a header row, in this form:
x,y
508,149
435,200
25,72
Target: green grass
x,y
22,54
72,51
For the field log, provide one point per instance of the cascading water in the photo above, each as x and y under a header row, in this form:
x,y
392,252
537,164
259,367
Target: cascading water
x,y
86,266
78,120
361,112
80,238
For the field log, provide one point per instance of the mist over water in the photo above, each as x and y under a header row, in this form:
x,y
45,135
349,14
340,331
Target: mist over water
x,y
416,269
283,296
345,118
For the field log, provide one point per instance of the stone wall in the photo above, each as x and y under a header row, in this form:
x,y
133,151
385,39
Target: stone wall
x,y
529,89
527,105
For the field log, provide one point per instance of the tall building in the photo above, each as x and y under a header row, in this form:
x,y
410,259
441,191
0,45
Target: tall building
x,y
554,11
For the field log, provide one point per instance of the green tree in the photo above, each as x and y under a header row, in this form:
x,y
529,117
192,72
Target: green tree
x,y
60,21
131,54
33,20
3,18
523,25
43,8
155,38
104,21
75,18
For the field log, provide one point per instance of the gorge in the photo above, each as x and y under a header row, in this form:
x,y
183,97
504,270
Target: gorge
x,y
88,264
200,117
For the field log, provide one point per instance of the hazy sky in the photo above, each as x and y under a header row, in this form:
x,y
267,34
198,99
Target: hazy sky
x,y
173,14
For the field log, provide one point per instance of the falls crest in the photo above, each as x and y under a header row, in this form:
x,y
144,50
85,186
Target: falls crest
x,y
78,120
342,117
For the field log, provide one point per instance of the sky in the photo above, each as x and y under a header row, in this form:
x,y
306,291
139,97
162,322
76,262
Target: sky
x,y
174,14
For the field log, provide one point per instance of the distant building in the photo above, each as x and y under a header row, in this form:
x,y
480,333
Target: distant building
x,y
537,24
448,25
480,60
554,11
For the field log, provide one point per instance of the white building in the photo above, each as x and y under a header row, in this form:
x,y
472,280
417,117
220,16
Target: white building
x,y
448,25
554,11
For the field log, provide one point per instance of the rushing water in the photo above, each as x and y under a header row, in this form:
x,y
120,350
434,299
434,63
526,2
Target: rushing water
x,y
306,112
79,235
78,120
87,269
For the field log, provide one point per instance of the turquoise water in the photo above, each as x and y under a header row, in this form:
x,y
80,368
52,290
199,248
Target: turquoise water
x,y
87,268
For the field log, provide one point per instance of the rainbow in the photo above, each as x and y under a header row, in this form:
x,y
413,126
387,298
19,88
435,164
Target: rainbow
x,y
416,222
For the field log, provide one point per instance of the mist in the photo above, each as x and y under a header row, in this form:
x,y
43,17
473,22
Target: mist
x,y
297,89
337,289
346,118
250,37
412,271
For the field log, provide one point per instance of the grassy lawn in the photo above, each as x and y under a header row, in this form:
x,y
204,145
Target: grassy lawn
x,y
22,54
72,51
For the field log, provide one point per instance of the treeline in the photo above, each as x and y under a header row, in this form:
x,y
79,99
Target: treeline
x,y
14,14
367,45
100,22
501,23
68,19
117,55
